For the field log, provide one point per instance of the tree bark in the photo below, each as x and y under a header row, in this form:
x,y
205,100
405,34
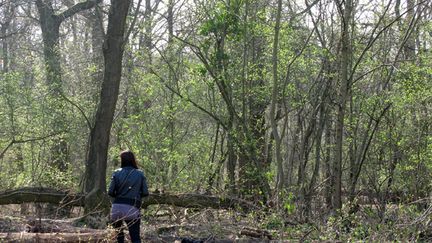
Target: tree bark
x,y
63,198
231,161
344,87
97,39
394,139
318,157
99,236
50,25
5,57
173,167
5,25
360,154
274,98
328,173
113,48
410,45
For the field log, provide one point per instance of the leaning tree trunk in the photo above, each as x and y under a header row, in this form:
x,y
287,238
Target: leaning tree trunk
x,y
113,48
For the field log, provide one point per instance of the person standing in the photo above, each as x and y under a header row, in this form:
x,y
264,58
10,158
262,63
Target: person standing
x,y
128,185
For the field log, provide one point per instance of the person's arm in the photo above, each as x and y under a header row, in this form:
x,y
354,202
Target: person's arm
x,y
144,187
111,189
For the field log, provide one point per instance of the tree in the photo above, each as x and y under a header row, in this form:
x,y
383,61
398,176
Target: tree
x,y
346,11
50,25
113,48
274,100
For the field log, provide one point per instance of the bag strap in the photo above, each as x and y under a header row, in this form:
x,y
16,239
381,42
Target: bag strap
x,y
125,179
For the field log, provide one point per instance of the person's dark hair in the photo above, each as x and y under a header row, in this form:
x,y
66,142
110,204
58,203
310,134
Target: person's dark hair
x,y
128,159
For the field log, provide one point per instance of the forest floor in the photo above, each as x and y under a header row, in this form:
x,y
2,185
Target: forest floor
x,y
158,224
173,224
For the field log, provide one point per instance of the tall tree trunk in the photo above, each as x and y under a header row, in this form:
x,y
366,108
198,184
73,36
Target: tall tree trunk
x,y
410,45
310,190
328,173
293,153
5,51
253,110
5,43
274,99
303,160
146,40
394,139
113,48
344,87
172,79
97,40
95,22
50,25
231,160
226,92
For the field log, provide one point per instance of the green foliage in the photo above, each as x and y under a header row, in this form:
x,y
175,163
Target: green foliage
x,y
171,148
413,85
273,221
222,19
289,203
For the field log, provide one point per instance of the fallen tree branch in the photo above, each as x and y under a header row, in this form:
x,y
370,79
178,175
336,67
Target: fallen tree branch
x,y
256,233
189,200
63,198
41,195
56,237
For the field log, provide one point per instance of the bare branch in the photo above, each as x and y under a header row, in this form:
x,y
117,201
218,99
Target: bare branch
x,y
217,119
308,7
373,38
132,25
6,149
79,108
219,81
77,8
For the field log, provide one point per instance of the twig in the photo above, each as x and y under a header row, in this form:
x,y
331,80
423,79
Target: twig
x,y
79,108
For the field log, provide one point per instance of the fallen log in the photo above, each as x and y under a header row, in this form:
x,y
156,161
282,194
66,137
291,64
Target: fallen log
x,y
256,233
103,236
190,200
68,198
41,195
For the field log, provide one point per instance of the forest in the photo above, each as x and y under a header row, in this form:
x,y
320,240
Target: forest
x,y
253,120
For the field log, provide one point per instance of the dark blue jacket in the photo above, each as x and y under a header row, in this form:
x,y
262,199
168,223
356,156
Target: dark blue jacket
x,y
128,185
